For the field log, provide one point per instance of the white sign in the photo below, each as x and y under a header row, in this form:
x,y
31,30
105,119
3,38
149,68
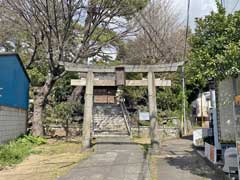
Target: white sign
x,y
144,116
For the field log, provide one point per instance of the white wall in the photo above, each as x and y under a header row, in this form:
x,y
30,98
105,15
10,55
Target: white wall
x,y
12,123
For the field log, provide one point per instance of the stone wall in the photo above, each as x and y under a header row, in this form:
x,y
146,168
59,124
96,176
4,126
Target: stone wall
x,y
169,133
164,133
60,131
12,123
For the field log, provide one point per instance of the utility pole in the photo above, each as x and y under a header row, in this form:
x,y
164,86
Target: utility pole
x,y
183,70
184,101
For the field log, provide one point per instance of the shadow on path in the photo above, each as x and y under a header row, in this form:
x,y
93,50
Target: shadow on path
x,y
179,160
189,137
194,165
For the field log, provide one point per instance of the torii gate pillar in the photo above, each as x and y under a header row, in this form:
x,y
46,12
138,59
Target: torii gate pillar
x,y
86,133
153,111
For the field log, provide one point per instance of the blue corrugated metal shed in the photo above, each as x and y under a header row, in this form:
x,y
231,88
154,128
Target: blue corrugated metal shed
x,y
14,82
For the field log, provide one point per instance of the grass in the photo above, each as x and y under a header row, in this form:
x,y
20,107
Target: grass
x,y
16,151
146,142
143,141
153,167
53,159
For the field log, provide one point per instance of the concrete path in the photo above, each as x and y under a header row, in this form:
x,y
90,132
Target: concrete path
x,y
179,161
114,159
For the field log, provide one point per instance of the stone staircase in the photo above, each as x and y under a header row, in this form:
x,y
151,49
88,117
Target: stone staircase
x,y
108,120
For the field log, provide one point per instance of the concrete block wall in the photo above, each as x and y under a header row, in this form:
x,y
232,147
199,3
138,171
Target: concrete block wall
x,y
163,133
225,110
12,123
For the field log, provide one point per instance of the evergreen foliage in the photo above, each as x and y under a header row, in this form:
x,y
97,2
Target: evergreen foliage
x,y
215,47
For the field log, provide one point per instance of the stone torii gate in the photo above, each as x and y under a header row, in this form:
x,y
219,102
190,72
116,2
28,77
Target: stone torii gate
x,y
151,82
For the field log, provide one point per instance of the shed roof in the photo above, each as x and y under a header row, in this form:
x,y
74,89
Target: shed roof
x,y
19,60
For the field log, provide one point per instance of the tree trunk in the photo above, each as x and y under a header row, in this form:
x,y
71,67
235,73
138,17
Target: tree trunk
x,y
40,102
76,94
37,126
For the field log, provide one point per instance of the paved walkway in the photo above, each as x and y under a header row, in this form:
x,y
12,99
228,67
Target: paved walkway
x,y
118,160
179,161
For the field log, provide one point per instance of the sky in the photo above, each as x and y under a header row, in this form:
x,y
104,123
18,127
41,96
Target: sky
x,y
200,8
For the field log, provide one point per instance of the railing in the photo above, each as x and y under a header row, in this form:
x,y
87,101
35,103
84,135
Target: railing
x,y
126,116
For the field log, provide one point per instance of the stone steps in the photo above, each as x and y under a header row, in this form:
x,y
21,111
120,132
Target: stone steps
x,y
108,120
109,134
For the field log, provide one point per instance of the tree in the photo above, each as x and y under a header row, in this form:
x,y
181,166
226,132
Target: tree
x,y
135,96
159,40
161,32
215,47
63,31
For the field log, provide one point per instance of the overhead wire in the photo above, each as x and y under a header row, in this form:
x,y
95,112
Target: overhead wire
x,y
235,6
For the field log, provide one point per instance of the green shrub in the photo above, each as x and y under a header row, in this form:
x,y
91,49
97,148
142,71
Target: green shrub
x,y
29,139
59,113
15,151
144,123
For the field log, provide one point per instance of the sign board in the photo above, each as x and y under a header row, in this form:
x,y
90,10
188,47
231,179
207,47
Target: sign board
x,y
144,116
104,99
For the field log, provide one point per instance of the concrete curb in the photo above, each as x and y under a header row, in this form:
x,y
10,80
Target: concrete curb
x,y
214,166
